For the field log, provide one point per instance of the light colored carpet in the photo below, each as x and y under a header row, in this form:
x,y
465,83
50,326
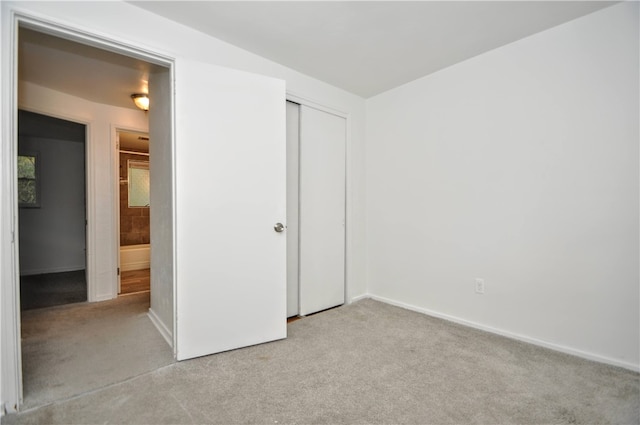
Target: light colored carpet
x,y
366,363
69,350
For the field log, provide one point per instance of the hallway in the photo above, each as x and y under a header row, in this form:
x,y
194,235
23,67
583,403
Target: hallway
x,y
70,350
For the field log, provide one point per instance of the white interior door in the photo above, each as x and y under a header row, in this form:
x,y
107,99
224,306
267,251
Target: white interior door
x,y
322,210
117,211
293,143
230,158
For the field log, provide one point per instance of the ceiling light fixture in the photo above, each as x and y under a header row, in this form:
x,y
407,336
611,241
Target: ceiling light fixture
x,y
141,100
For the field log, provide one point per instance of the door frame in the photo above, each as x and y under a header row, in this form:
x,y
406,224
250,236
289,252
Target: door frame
x,y
89,237
10,354
115,147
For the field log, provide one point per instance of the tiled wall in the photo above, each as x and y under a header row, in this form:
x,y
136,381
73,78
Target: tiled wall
x,y
134,222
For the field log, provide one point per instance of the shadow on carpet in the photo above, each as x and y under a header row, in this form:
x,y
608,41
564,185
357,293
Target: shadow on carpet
x,y
51,289
77,348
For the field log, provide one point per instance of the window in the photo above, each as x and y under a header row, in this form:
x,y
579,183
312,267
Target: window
x,y
28,181
138,183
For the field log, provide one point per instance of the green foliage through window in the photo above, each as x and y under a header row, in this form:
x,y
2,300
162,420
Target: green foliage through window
x,y
28,181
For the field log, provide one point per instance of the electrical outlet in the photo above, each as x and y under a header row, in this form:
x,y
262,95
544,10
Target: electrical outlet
x,y
479,286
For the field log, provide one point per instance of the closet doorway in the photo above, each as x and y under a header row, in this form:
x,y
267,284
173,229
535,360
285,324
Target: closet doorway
x,y
316,182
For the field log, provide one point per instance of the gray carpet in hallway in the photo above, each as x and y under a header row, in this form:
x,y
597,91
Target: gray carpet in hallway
x,y
366,363
51,289
69,350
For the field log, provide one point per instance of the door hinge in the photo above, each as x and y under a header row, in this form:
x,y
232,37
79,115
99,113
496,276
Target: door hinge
x,y
118,271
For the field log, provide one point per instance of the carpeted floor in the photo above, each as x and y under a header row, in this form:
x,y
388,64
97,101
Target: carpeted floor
x,y
69,350
47,290
366,363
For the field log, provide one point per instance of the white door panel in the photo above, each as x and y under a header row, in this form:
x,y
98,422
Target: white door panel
x,y
322,210
230,155
293,141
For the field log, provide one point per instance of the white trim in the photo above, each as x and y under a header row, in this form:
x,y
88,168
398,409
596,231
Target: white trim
x,y
512,335
348,205
11,356
55,114
173,342
164,331
115,181
292,97
359,298
74,32
90,198
115,174
103,297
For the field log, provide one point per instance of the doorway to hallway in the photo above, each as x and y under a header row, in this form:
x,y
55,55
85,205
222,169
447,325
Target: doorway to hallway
x,y
52,211
70,349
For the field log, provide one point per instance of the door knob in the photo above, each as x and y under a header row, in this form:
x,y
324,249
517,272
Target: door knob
x,y
279,227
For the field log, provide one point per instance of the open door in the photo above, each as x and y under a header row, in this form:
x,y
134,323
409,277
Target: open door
x,y
230,159
117,212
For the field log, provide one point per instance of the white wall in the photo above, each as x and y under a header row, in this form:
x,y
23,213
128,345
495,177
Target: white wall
x,y
101,121
119,22
519,166
52,236
160,157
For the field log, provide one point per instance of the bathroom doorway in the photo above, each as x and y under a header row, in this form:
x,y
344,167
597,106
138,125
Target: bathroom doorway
x,y
134,234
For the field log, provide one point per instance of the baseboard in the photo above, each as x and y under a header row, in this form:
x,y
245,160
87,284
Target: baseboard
x,y
359,297
48,270
164,331
8,409
104,297
508,334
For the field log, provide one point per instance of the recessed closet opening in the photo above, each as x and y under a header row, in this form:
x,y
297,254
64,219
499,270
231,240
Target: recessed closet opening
x,y
316,208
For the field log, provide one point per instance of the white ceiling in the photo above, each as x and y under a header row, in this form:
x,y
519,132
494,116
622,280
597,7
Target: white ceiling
x,y
363,47
133,141
367,47
80,70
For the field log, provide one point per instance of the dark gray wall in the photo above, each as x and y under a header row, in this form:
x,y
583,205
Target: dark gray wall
x,y
52,237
